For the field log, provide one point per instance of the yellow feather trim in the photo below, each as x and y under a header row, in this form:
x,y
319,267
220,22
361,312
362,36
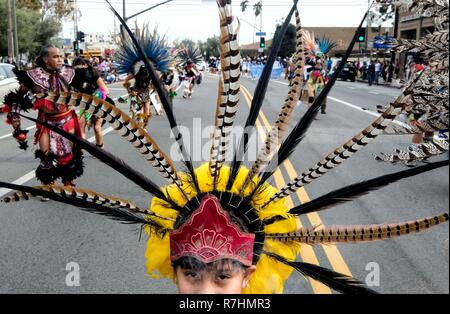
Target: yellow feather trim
x,y
270,275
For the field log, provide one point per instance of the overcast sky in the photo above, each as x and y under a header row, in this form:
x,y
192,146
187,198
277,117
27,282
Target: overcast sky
x,y
198,19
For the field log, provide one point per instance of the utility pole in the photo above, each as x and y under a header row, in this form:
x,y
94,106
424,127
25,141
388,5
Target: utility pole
x,y
369,23
10,31
75,29
396,26
15,32
124,15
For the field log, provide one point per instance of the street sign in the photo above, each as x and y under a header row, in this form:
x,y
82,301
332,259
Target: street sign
x,y
261,34
261,50
383,42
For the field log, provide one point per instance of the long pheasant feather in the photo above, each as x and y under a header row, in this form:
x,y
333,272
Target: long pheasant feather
x,y
347,150
162,93
117,214
353,191
83,195
299,132
416,152
275,136
358,234
230,86
128,129
258,99
114,162
336,281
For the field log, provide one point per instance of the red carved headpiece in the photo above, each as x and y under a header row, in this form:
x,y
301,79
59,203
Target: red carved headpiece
x,y
209,235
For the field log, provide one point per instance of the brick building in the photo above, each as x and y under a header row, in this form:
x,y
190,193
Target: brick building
x,y
412,26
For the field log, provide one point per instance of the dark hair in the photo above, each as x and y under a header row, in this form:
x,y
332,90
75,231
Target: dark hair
x,y
191,263
80,61
44,53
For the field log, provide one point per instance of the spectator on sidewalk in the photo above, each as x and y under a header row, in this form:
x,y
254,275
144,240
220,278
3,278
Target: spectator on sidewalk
x,y
363,71
390,72
371,73
378,68
384,71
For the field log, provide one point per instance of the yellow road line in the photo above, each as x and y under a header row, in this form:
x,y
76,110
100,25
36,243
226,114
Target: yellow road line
x,y
334,256
307,253
332,252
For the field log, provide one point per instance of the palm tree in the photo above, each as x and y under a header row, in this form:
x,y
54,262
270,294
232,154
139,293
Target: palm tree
x,y
257,7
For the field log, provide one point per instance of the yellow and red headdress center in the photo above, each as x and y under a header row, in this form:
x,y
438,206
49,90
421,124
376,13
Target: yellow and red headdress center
x,y
210,235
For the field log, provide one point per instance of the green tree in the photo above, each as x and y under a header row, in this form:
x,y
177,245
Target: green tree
x,y
33,30
289,41
29,4
187,43
28,21
210,47
244,5
257,7
59,9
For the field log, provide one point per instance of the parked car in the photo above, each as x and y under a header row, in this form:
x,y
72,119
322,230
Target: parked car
x,y
348,73
202,66
8,81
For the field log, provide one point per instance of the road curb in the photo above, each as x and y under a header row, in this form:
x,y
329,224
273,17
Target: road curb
x,y
382,84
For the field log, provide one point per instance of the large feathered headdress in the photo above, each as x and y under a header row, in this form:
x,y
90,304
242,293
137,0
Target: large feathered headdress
x,y
189,53
228,211
317,46
155,47
427,106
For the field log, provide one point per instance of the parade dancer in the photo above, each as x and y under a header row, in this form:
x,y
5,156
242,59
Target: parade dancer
x,y
189,58
171,80
191,75
59,158
91,83
317,50
130,62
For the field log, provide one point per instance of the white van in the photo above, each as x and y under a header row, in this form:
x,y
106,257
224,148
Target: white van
x,y
8,80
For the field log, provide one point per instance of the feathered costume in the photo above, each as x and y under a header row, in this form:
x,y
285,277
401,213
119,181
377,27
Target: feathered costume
x,y
189,53
316,49
219,212
130,62
63,160
189,57
427,109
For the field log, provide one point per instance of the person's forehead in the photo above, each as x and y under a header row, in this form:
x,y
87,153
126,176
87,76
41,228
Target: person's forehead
x,y
54,51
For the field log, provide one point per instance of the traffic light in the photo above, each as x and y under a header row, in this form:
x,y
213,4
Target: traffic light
x,y
362,35
80,36
262,42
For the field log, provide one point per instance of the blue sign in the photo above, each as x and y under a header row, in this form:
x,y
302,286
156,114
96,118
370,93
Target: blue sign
x,y
256,71
261,34
383,42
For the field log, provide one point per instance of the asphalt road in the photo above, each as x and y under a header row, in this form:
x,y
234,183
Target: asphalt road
x,y
38,240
